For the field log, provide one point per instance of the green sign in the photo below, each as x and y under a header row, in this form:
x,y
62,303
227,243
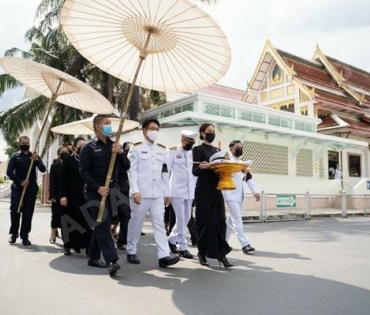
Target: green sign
x,y
284,201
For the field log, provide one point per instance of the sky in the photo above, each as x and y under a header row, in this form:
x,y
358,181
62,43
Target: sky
x,y
340,27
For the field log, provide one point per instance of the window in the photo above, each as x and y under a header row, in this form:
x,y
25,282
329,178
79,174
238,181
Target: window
x,y
354,165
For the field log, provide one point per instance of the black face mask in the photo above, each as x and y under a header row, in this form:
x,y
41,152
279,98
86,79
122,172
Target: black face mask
x,y
238,152
210,136
24,147
64,155
78,151
188,146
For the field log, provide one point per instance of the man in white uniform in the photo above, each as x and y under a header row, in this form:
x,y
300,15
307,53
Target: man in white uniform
x,y
182,184
149,191
234,199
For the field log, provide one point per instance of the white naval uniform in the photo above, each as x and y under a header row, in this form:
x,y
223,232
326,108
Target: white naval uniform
x,y
147,178
234,201
182,186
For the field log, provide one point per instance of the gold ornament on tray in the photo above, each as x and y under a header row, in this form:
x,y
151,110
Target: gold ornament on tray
x,y
221,164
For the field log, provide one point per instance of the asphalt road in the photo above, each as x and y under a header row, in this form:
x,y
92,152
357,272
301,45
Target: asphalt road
x,y
300,267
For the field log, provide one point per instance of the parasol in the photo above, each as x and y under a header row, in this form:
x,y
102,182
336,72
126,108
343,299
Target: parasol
x,y
85,126
56,85
167,46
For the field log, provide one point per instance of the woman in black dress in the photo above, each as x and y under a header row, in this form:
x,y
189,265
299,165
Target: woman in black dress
x,y
54,192
76,231
209,202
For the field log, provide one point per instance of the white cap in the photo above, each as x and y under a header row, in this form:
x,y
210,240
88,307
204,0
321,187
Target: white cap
x,y
219,155
189,134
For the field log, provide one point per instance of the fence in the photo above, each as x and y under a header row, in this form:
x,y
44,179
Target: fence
x,y
279,207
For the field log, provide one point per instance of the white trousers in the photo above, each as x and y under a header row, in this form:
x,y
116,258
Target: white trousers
x,y
155,206
234,222
182,209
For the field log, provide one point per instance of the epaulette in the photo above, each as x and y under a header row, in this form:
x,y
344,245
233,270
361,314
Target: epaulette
x,y
138,143
173,148
161,145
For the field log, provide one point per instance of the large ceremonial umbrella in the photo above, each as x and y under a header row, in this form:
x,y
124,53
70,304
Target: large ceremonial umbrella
x,y
59,87
165,45
86,127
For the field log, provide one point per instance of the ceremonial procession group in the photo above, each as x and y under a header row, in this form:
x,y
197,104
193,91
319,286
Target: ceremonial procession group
x,y
147,178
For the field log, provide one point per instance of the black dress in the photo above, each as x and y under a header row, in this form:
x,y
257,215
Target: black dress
x,y
78,232
209,207
54,193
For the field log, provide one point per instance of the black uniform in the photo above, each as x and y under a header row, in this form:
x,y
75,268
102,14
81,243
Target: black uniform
x,y
124,210
94,163
17,171
209,207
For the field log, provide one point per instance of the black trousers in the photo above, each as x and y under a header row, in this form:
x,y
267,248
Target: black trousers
x,y
27,209
124,216
101,239
56,213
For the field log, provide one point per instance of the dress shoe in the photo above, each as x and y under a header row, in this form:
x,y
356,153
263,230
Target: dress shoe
x,y
133,259
223,260
26,242
247,249
67,251
185,254
173,248
168,261
121,246
113,268
96,263
13,239
142,233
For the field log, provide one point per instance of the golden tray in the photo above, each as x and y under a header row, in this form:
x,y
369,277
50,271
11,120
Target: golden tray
x,y
226,171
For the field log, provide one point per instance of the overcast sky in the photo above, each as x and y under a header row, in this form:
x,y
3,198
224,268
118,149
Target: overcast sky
x,y
340,27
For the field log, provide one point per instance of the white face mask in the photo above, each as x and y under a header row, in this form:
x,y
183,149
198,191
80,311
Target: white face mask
x,y
152,135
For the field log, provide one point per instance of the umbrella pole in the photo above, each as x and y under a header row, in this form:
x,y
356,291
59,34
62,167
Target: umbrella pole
x,y
52,102
121,123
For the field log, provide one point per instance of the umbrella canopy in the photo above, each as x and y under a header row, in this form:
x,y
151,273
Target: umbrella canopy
x,y
85,126
183,48
53,83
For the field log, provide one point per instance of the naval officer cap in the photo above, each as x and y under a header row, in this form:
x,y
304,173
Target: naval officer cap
x,y
188,134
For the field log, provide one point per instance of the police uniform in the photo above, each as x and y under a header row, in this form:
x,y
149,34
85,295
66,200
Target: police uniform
x,y
17,171
148,176
182,186
234,200
94,163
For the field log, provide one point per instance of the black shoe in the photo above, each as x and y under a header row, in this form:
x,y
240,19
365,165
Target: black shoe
x,y
96,263
168,261
247,249
133,259
13,239
202,259
173,248
113,268
142,233
67,251
121,246
26,242
185,254
223,260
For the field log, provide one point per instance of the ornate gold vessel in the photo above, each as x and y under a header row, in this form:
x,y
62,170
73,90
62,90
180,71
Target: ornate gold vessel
x,y
226,171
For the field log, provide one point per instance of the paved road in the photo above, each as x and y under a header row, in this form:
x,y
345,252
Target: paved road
x,y
303,267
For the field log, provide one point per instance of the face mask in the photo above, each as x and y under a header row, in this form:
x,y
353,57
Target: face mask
x,y
78,150
210,136
64,155
238,152
24,147
107,130
70,152
152,135
188,146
